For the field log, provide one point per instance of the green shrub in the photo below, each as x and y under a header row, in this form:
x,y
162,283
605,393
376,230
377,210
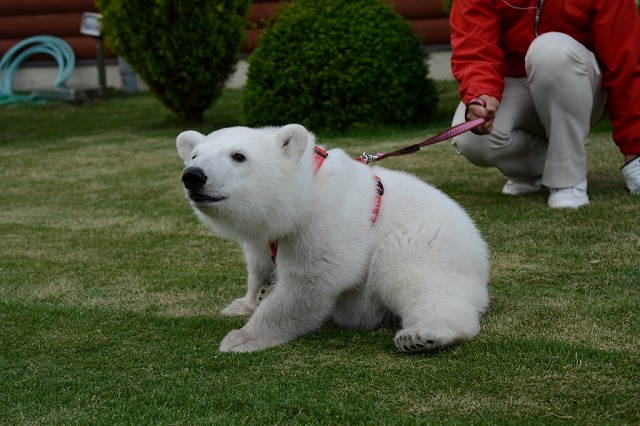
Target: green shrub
x,y
334,64
184,50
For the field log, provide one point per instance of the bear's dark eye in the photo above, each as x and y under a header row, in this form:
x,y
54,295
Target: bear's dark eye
x,y
238,158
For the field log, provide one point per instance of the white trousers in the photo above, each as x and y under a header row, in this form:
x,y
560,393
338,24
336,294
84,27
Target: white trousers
x,y
544,118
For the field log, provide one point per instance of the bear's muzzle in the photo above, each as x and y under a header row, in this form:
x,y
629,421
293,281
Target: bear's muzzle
x,y
193,178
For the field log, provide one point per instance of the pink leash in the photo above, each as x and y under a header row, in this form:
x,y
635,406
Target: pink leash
x,y
447,134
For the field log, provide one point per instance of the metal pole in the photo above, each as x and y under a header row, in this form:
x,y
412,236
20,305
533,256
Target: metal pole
x,y
101,67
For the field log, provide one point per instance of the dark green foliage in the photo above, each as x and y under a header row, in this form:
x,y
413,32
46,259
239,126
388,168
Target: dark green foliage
x,y
184,50
335,64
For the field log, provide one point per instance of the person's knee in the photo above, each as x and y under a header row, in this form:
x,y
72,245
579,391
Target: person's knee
x,y
476,149
551,54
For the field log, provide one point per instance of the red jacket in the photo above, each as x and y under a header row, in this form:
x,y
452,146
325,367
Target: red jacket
x,y
490,39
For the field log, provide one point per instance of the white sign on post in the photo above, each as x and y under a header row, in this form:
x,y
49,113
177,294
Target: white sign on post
x,y
91,24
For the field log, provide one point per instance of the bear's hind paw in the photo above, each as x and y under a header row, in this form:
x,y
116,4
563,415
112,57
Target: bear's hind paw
x,y
411,340
415,344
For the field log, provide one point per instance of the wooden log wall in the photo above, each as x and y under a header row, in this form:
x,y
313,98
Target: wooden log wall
x,y
427,18
20,19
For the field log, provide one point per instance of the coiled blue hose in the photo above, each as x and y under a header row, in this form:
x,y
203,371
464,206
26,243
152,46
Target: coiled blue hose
x,y
11,61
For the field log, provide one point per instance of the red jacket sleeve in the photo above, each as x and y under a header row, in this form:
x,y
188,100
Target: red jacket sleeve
x,y
477,60
616,40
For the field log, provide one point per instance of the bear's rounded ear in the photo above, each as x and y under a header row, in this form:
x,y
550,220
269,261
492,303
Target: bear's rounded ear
x,y
293,139
185,142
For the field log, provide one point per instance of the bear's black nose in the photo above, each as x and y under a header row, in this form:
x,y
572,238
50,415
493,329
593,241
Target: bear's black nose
x,y
193,178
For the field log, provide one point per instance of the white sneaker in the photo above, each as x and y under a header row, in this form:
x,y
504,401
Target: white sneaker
x,y
631,173
571,197
517,187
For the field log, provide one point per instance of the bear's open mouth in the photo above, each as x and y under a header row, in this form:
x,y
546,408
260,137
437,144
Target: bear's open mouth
x,y
202,198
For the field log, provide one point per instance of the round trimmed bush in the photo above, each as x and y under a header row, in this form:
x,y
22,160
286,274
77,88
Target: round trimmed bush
x,y
184,50
336,64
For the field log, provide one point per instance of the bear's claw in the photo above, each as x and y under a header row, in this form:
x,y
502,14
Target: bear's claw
x,y
416,344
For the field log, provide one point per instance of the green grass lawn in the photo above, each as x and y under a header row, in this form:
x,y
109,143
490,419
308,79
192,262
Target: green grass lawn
x,y
110,291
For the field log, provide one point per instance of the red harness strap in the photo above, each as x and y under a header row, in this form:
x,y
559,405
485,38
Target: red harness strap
x,y
319,158
376,206
321,155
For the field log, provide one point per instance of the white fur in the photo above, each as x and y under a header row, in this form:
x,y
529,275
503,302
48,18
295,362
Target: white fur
x,y
423,262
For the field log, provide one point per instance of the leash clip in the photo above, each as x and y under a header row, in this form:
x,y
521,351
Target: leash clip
x,y
368,158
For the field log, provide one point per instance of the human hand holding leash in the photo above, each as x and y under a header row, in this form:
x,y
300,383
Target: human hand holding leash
x,y
484,106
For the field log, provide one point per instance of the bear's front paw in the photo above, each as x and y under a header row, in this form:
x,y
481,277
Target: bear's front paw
x,y
243,341
233,341
240,306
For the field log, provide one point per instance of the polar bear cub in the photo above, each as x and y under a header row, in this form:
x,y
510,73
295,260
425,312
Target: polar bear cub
x,y
359,245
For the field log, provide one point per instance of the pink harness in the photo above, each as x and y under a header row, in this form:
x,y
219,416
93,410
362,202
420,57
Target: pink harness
x,y
319,158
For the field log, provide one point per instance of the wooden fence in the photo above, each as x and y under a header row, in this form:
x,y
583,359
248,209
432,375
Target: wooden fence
x,y
20,19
